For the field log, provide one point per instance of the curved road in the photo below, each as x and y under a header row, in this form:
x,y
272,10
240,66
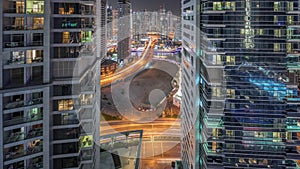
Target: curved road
x,y
126,72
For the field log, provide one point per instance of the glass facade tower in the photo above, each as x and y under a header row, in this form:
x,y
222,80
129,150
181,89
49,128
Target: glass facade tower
x,y
247,62
49,84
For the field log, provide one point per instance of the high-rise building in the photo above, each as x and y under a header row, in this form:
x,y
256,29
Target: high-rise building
x,y
49,84
112,23
124,30
189,86
240,84
109,29
115,16
103,24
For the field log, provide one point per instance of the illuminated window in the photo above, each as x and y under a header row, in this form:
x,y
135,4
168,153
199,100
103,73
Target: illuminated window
x,y
278,33
86,141
217,6
230,133
289,20
64,105
265,162
230,60
216,91
217,59
61,10
19,23
276,47
277,136
66,37
215,132
289,33
20,7
260,31
230,93
34,6
242,32
233,6
288,47
275,19
86,36
241,160
214,146
289,135
227,5
38,23
252,161
276,6
290,6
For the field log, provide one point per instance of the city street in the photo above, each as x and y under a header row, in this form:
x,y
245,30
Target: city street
x,y
161,140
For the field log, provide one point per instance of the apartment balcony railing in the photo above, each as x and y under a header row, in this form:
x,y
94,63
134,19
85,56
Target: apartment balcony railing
x,y
85,116
22,44
87,88
86,157
21,153
21,60
66,122
24,27
87,51
35,166
14,27
13,44
86,102
17,121
15,10
34,11
22,10
63,135
21,103
75,25
35,43
19,136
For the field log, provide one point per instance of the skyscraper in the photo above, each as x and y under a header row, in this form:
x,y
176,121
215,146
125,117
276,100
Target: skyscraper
x,y
124,30
49,84
242,57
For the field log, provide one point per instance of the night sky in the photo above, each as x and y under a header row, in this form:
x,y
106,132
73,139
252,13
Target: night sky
x,y
153,5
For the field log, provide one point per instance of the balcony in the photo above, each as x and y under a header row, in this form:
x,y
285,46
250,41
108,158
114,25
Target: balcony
x,y
18,165
16,121
66,119
34,11
19,58
65,148
73,24
20,103
18,151
18,10
13,44
86,100
87,50
14,27
19,136
64,134
85,115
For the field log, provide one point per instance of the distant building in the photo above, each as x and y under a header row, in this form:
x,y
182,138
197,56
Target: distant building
x,y
124,30
108,67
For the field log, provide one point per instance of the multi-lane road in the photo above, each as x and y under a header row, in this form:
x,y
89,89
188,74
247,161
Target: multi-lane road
x,y
137,66
160,143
